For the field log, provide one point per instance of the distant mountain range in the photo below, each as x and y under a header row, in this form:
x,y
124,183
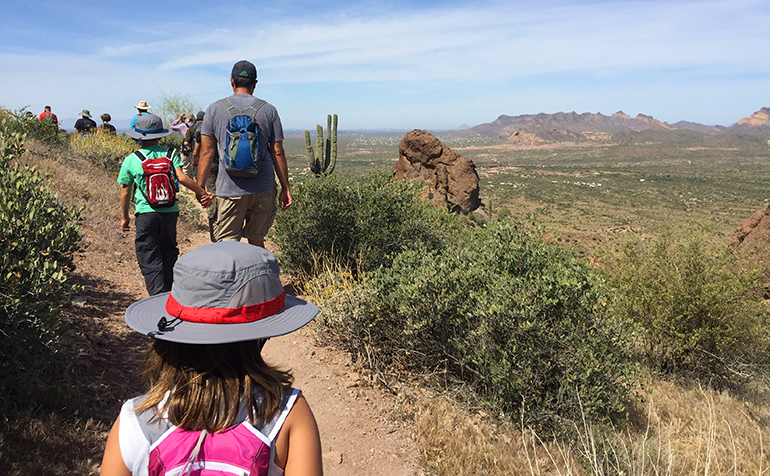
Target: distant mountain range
x,y
571,127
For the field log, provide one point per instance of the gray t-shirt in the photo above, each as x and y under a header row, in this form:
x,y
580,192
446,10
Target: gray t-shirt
x,y
270,131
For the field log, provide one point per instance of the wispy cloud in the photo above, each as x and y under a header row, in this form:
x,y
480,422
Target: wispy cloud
x,y
483,46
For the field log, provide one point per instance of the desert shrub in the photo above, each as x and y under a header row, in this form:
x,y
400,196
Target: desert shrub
x,y
168,106
17,122
703,314
359,222
521,322
106,150
38,238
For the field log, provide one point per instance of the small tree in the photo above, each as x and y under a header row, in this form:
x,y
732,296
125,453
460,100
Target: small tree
x,y
169,105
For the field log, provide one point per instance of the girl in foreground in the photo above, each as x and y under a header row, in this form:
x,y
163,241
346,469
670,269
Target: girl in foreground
x,y
214,406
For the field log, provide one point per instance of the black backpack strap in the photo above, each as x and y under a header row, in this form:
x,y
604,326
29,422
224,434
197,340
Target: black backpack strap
x,y
140,155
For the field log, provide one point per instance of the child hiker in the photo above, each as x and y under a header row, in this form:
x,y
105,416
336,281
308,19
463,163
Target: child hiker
x,y
213,406
155,172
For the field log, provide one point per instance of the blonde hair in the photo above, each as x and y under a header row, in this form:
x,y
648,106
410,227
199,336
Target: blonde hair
x,y
206,383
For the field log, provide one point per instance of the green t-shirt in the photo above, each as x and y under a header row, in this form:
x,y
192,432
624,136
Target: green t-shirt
x,y
131,173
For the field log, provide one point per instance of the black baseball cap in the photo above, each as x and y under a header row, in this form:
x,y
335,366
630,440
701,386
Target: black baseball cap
x,y
244,69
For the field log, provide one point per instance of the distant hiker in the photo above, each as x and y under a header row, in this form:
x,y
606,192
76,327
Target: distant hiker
x,y
155,172
183,122
142,107
47,115
106,127
181,125
85,124
194,139
246,189
213,405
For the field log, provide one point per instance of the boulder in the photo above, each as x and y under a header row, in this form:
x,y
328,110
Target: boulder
x,y
450,179
754,229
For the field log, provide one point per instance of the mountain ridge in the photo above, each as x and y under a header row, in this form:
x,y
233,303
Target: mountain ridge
x,y
589,127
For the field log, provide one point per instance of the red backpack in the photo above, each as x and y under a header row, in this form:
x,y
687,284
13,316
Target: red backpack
x,y
160,179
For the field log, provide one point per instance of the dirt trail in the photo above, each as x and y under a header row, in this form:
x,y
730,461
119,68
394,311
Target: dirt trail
x,y
360,432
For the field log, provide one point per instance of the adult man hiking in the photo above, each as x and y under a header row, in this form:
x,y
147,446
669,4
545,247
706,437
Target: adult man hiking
x,y
141,109
246,193
85,124
47,115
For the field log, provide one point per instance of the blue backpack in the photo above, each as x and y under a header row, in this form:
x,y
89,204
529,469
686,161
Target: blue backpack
x,y
242,145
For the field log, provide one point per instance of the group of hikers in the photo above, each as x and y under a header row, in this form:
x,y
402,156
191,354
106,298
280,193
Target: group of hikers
x,y
213,406
84,125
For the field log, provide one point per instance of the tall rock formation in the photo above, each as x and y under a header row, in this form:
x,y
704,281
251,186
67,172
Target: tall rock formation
x,y
450,179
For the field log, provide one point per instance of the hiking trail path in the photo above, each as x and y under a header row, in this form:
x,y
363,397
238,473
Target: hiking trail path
x,y
361,431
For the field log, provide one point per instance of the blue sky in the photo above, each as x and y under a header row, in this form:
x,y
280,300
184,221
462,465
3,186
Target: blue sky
x,y
395,64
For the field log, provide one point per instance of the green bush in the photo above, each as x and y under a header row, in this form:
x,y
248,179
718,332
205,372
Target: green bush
x,y
703,314
520,321
17,122
38,239
359,222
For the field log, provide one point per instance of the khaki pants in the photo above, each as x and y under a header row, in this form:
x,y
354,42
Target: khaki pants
x,y
250,216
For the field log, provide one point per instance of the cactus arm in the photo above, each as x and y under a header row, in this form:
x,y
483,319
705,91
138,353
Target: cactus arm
x,y
328,144
319,147
311,160
333,158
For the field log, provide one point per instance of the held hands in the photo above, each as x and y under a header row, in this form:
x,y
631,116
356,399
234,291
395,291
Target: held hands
x,y
206,200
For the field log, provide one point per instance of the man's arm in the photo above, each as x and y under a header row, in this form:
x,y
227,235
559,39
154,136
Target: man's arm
x,y
207,150
125,223
196,154
282,170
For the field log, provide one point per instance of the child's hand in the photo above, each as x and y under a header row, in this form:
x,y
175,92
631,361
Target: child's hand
x,y
206,200
125,224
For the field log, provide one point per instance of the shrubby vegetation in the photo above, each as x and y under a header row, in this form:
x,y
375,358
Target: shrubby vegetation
x,y
38,239
496,309
703,314
17,122
105,150
359,223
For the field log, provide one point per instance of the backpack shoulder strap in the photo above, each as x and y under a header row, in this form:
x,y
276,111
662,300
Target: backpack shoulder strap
x,y
252,110
152,427
229,107
140,155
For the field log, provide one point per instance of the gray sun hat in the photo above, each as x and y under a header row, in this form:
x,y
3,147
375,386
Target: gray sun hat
x,y
85,113
148,126
223,292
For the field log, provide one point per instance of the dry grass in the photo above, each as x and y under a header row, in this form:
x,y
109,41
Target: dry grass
x,y
679,431
107,150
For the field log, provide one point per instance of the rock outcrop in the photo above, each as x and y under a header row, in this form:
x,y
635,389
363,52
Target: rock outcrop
x,y
754,229
450,179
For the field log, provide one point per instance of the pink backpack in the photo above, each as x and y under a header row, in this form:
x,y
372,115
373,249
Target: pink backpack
x,y
241,450
160,179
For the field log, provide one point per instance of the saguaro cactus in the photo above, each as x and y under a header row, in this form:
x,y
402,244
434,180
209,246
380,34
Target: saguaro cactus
x,y
322,163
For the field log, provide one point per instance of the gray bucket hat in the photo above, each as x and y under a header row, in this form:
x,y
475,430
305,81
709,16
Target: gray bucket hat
x,y
85,113
222,292
148,126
